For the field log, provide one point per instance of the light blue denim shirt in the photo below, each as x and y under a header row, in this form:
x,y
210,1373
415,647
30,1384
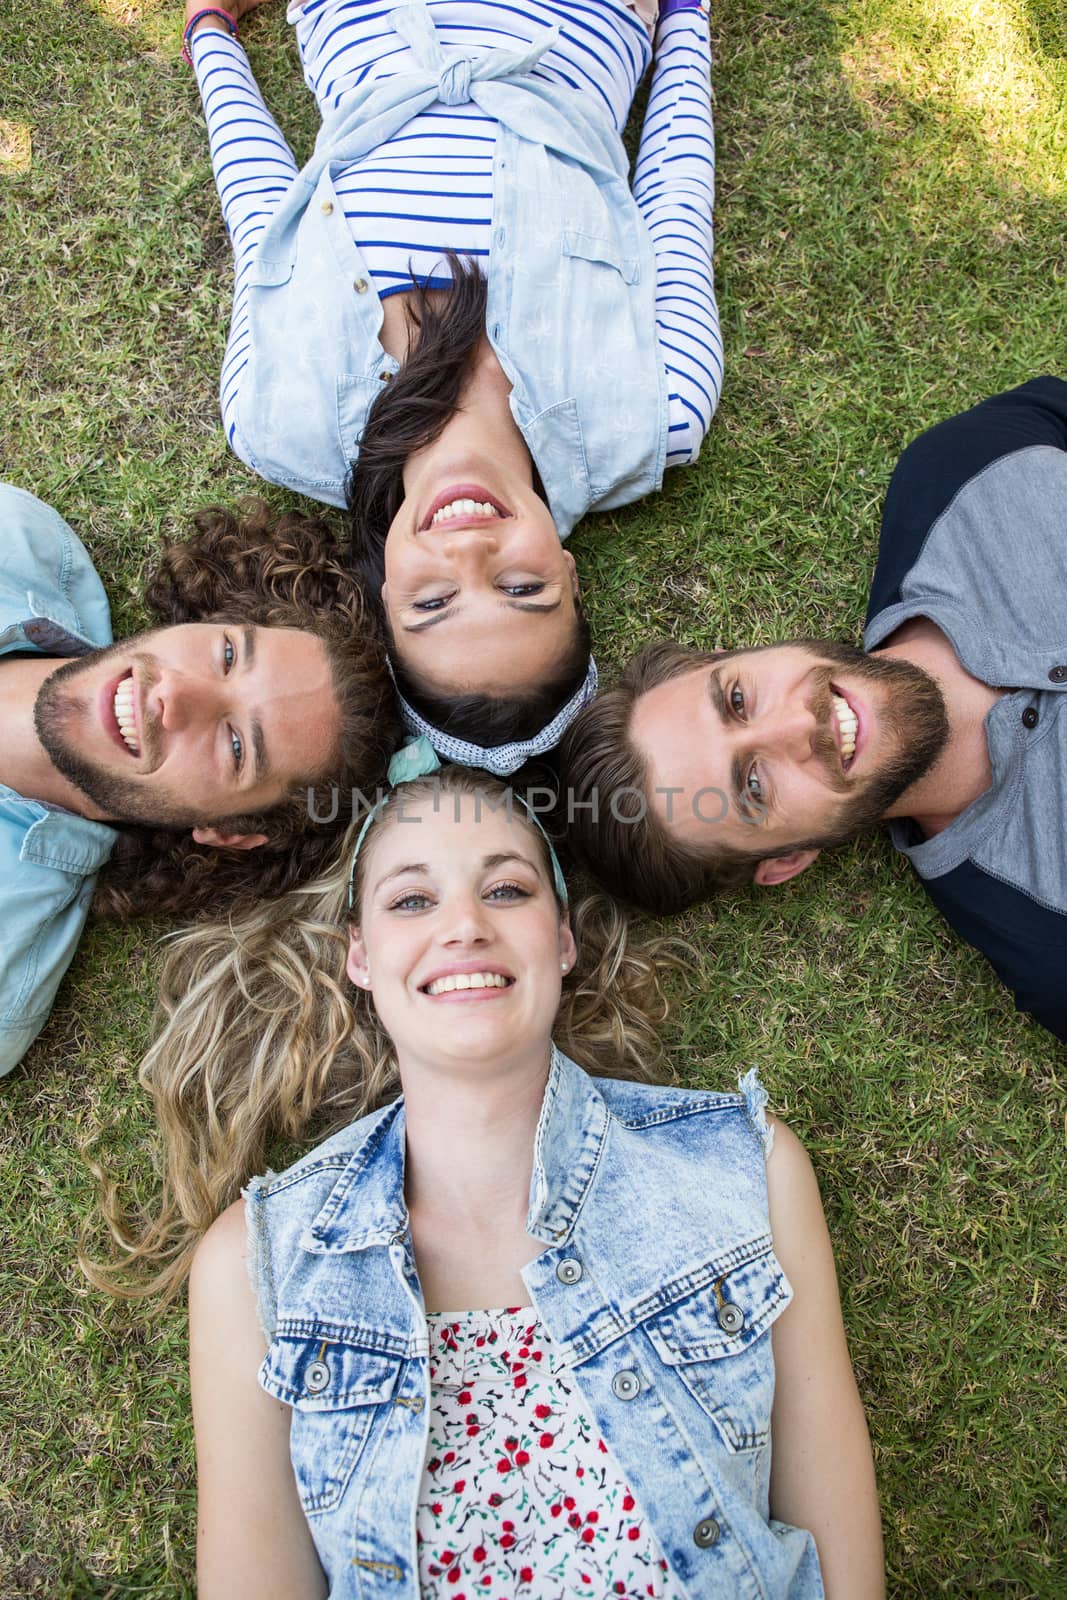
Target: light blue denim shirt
x,y
651,1204
571,299
51,603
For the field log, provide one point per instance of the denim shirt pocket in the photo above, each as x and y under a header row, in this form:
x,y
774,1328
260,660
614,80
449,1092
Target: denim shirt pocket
x,y
602,251
355,396
717,1339
333,1382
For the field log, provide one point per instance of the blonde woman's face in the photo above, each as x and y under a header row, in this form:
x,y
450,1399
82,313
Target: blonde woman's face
x,y
460,940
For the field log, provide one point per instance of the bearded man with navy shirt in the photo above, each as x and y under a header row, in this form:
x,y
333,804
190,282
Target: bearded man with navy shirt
x,y
950,726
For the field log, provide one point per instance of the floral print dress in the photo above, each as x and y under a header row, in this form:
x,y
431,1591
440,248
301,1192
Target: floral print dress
x,y
520,1498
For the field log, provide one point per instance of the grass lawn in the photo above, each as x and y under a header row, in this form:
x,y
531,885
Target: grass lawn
x,y
891,224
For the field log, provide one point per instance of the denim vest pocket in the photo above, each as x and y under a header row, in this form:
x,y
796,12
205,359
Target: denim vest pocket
x,y
717,1340
333,1384
582,246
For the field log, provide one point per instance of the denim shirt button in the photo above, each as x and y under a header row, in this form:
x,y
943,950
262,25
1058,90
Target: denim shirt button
x,y
1030,718
731,1317
316,1377
569,1270
626,1385
706,1533
1058,675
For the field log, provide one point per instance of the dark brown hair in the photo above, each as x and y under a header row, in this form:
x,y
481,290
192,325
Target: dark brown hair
x,y
409,414
636,857
269,571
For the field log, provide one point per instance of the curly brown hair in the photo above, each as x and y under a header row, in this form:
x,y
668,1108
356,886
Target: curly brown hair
x,y
270,571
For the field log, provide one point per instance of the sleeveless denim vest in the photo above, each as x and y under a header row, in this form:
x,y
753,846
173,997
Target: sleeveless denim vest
x,y
571,275
657,1284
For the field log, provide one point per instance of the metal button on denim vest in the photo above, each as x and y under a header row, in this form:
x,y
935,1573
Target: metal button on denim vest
x,y
658,1286
571,285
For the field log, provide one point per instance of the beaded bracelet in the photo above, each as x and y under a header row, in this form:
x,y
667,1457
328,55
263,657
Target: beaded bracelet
x,y
205,11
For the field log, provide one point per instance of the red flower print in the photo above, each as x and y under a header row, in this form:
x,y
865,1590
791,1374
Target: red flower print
x,y
472,1431
588,1535
472,1416
579,1472
546,1441
437,1508
464,1397
628,1501
432,1466
521,1457
479,1341
448,1457
508,1527
520,1381
503,1465
568,1501
526,1574
447,1556
459,1485
453,1574
592,1516
487,1580
479,1552
524,1351
633,1533
555,1510
574,1520
620,1587
506,1541
511,1443
537,1355
541,1412
496,1499
603,1446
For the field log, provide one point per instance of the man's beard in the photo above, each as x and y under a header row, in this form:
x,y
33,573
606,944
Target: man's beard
x,y
911,715
59,715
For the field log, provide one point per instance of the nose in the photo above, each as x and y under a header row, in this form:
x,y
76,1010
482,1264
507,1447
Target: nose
x,y
179,700
466,924
470,547
794,730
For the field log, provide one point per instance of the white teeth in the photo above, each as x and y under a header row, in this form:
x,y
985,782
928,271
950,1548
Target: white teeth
x,y
467,980
124,715
464,508
848,723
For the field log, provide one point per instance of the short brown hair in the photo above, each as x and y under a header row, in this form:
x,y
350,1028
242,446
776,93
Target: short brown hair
x,y
635,857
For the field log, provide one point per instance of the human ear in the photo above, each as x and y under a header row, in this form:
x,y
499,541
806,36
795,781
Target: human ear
x,y
568,950
385,596
229,841
779,869
357,966
568,562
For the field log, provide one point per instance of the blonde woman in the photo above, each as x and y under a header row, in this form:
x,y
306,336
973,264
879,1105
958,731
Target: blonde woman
x,y
519,1331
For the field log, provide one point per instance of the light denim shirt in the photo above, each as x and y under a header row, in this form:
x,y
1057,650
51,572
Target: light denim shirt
x,y
657,1284
51,603
571,299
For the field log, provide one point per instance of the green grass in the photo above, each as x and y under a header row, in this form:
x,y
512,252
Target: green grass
x,y
891,218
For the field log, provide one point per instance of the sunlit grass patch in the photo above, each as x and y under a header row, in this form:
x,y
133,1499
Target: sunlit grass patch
x,y
16,146
978,61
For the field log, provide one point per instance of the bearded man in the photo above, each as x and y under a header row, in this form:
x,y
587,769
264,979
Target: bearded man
x,y
700,772
176,764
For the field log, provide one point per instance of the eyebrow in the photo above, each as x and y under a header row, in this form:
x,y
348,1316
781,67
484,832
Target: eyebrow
x,y
457,611
259,744
488,864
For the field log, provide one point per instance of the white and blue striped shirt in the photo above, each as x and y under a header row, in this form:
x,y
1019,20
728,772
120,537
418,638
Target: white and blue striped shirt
x,y
430,188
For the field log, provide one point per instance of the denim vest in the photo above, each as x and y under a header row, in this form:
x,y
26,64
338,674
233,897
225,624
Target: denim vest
x,y
657,1284
571,273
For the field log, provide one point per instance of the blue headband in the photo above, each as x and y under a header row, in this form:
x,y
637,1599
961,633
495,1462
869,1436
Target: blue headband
x,y
417,759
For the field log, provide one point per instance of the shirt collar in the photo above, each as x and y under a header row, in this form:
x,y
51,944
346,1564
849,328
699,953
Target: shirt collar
x,y
67,843
366,1205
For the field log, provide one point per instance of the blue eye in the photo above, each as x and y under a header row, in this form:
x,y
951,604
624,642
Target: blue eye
x,y
507,891
737,701
229,654
753,786
238,749
414,900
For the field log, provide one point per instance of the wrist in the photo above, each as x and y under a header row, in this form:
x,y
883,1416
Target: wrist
x,y
198,17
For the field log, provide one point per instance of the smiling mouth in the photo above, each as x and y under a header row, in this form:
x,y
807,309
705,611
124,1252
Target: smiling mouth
x,y
467,980
847,725
123,710
465,503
